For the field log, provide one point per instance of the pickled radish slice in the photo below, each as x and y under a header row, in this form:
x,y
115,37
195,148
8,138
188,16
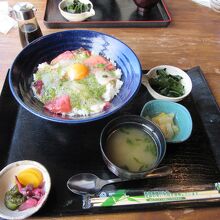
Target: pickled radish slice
x,y
30,176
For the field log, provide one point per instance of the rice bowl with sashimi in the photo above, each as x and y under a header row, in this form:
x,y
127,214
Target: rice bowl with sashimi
x,y
77,83
50,61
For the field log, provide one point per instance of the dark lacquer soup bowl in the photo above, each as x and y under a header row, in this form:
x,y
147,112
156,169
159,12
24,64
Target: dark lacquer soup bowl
x,y
48,47
127,143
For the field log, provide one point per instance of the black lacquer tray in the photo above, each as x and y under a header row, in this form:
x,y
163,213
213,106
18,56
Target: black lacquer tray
x,y
110,13
69,149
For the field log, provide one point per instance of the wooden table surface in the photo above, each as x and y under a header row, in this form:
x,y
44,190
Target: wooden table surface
x,y
192,39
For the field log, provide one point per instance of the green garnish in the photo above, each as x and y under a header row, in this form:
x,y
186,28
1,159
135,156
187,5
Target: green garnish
x,y
76,7
138,161
143,167
138,139
49,94
125,167
125,131
148,139
100,65
151,148
94,88
129,141
166,84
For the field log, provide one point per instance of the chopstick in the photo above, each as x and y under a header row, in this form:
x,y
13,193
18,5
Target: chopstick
x,y
127,197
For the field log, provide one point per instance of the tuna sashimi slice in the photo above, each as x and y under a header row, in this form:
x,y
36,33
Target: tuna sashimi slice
x,y
95,60
63,56
81,50
59,105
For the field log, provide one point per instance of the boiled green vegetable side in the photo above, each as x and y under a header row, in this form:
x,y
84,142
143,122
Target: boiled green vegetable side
x,y
167,84
77,7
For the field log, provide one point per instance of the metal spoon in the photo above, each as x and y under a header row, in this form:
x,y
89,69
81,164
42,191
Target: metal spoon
x,y
88,183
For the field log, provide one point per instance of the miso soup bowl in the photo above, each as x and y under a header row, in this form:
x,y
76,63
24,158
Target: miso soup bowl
x,y
139,122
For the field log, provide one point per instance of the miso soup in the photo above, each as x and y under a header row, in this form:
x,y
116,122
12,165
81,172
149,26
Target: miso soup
x,y
131,148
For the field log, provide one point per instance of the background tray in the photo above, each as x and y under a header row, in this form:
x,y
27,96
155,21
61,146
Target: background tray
x,y
110,13
69,149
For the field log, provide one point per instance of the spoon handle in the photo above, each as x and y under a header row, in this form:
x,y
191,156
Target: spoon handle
x,y
116,180
158,172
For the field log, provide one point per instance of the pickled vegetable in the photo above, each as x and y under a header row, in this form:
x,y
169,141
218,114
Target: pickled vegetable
x,y
27,192
30,176
13,198
166,124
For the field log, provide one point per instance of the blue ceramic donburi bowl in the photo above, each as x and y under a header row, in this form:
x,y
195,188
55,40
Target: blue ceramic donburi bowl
x,y
48,47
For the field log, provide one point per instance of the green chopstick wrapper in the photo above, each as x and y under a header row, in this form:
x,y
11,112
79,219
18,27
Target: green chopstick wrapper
x,y
136,197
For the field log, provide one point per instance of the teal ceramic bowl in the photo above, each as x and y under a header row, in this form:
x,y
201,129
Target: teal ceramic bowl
x,y
182,117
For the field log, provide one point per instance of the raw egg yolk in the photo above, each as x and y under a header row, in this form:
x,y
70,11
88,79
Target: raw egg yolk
x,y
30,176
77,71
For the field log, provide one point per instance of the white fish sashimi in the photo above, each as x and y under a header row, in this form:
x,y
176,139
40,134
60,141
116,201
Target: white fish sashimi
x,y
103,77
118,73
97,108
112,90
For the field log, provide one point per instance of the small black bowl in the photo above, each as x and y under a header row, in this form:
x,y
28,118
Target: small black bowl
x,y
147,126
145,5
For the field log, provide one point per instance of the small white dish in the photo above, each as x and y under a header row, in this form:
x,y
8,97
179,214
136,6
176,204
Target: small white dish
x,y
7,180
74,16
172,70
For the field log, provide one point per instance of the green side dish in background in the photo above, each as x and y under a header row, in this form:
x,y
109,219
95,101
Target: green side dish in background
x,y
167,84
76,7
